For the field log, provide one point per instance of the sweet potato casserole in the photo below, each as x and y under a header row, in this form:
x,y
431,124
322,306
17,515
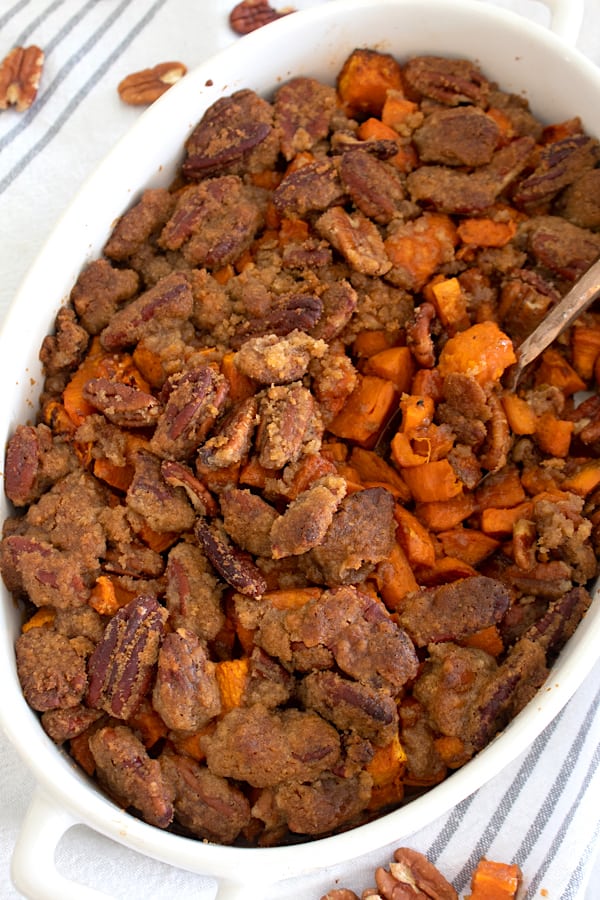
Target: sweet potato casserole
x,y
289,552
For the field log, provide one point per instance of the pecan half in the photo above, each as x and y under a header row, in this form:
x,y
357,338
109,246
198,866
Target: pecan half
x,y
249,15
186,692
356,238
413,868
170,298
236,567
144,87
292,312
191,410
130,775
448,81
20,73
122,404
22,465
289,419
121,666
235,134
230,445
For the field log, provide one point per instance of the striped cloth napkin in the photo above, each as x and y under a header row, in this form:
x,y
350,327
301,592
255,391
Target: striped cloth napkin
x,y
542,811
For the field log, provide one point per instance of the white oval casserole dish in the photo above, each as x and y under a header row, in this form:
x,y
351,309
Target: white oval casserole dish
x,y
522,57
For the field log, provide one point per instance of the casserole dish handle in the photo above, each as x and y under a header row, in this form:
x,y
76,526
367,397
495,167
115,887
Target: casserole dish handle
x,y
33,869
567,16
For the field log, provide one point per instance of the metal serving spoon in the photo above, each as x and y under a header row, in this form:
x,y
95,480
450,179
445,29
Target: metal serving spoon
x,y
583,292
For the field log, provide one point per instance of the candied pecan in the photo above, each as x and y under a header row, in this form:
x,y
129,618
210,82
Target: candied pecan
x,y
305,522
580,203
121,667
375,187
459,192
288,423
360,535
186,693
64,349
170,298
51,672
549,580
33,462
130,775
141,221
99,290
498,439
265,747
381,148
133,558
290,313
449,687
194,402
20,73
339,301
121,403
455,610
423,762
464,409
48,576
207,805
231,442
560,164
268,682
231,563
369,712
249,15
463,136
213,222
63,724
273,359
193,593
327,803
248,519
311,188
303,109
144,87
235,135
508,690
448,81
357,239
560,246
556,626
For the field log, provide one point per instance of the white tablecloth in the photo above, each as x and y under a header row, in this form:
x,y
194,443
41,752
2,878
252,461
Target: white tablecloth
x,y
542,811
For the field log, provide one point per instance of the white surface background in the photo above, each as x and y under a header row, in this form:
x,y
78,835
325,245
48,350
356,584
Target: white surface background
x,y
77,136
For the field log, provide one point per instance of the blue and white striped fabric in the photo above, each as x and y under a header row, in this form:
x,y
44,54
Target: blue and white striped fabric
x,y
543,810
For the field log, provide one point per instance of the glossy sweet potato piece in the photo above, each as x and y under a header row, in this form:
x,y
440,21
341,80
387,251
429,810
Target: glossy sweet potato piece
x,y
435,480
482,351
495,881
364,80
366,411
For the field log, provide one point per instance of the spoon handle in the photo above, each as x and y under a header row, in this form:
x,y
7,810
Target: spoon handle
x,y
583,292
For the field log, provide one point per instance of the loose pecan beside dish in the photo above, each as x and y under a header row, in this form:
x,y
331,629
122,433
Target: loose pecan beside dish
x,y
249,15
289,552
144,87
20,73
